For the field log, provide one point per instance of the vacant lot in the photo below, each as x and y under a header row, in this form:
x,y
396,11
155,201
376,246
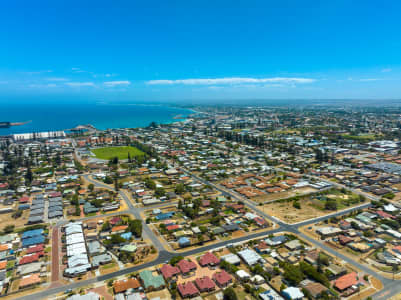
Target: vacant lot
x,y
310,206
120,152
7,219
283,195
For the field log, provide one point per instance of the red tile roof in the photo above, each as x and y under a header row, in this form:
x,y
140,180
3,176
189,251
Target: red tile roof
x,y
344,239
186,266
169,271
205,284
172,227
222,278
384,215
29,280
55,194
3,264
208,259
346,281
23,199
4,247
34,249
260,221
119,228
27,259
115,220
123,285
187,289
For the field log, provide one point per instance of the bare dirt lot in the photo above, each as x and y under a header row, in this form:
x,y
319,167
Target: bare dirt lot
x,y
7,219
287,213
283,195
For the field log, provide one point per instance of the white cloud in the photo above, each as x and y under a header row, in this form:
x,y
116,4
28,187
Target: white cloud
x,y
40,86
38,72
80,84
386,70
231,80
117,83
369,79
56,79
78,70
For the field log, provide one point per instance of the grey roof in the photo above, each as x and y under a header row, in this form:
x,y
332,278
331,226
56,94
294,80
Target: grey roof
x,y
54,208
94,247
101,259
38,202
35,219
55,199
36,212
231,227
29,268
55,214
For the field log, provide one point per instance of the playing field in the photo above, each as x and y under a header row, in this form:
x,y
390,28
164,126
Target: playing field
x,y
120,152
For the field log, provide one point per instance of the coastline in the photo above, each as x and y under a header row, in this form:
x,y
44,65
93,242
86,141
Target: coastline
x,y
102,117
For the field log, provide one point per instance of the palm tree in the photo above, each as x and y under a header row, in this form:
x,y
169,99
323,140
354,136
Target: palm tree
x,y
394,269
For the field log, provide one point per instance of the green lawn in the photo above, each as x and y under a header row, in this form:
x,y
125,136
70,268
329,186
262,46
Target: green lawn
x,y
120,152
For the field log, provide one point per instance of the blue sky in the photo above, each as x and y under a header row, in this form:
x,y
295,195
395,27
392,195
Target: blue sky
x,y
178,50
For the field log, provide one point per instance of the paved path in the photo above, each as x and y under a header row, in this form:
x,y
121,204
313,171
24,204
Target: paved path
x,y
55,254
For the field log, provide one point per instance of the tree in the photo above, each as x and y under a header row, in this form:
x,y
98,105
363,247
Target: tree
x,y
229,294
296,205
17,214
331,204
150,184
160,192
117,239
176,259
179,189
394,269
114,161
106,226
293,273
135,226
29,175
9,229
91,187
108,180
116,185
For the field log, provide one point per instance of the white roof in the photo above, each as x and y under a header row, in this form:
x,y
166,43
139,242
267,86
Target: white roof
x,y
79,269
231,258
242,274
88,296
390,208
293,293
249,256
75,238
78,260
76,249
73,228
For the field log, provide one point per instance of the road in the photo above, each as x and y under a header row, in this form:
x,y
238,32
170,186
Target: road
x,y
390,287
147,232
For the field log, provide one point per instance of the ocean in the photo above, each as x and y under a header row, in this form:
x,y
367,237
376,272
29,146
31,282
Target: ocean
x,y
64,116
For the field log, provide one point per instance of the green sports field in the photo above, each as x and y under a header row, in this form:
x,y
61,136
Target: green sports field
x,y
120,152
